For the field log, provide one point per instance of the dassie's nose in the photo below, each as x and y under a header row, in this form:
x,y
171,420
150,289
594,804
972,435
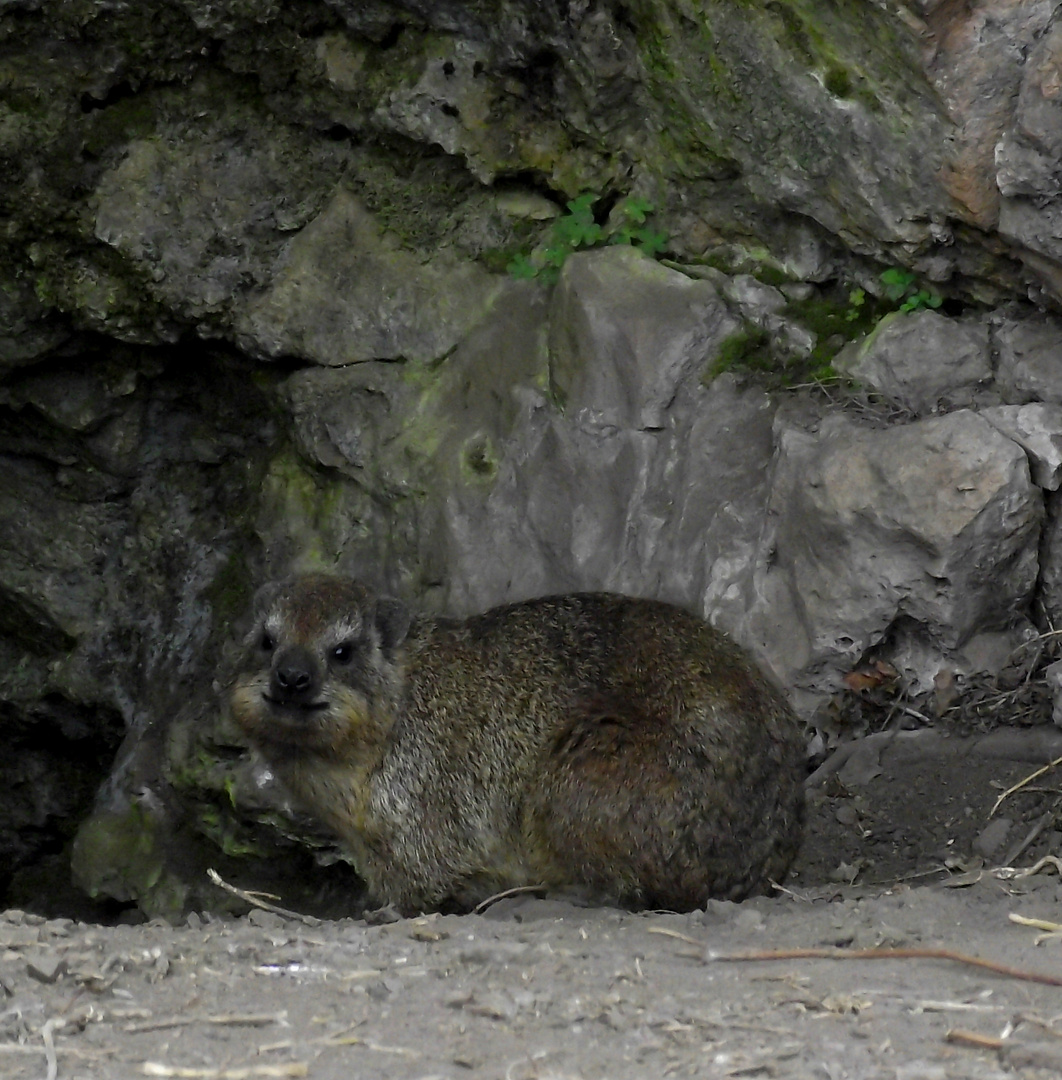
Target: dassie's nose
x,y
294,674
293,678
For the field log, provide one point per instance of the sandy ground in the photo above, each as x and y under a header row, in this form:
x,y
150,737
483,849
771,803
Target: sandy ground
x,y
542,988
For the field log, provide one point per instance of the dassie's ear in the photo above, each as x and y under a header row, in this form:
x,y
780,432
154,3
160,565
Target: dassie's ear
x,y
392,622
264,597
251,620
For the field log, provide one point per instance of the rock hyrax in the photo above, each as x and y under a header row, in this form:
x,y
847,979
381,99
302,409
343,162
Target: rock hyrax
x,y
619,746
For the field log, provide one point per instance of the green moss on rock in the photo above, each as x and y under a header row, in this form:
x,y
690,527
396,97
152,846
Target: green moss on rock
x,y
747,349
117,854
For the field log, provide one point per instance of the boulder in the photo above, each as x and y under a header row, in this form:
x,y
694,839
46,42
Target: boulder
x,y
934,522
1030,359
1037,429
1050,593
201,213
1027,156
625,331
342,291
921,359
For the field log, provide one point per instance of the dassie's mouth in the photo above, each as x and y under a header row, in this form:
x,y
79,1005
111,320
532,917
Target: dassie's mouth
x,y
295,706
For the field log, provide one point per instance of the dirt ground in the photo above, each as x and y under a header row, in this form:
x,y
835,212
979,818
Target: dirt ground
x,y
902,853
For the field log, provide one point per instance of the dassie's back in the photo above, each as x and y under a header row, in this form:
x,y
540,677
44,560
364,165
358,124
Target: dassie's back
x,y
525,666
564,710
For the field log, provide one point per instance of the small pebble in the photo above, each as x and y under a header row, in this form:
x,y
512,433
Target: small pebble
x,y
18,935
266,920
992,837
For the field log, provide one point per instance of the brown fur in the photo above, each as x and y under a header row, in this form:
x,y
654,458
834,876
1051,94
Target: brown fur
x,y
595,741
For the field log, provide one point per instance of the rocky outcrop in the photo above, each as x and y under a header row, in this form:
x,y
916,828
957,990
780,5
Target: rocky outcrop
x,y
922,360
932,524
571,440
205,178
255,317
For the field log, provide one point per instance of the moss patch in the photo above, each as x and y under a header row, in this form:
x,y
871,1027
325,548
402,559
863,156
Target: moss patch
x,y
117,854
835,314
747,349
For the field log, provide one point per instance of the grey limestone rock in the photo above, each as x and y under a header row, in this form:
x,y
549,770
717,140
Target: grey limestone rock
x,y
1030,359
26,330
575,508
202,213
935,522
1050,593
625,331
49,546
183,144
1053,675
1037,429
921,359
342,292
1027,156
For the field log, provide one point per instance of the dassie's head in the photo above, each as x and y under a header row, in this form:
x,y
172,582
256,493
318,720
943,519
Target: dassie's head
x,y
320,669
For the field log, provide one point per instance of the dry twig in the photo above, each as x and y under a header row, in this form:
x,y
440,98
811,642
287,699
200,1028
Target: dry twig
x,y
1012,873
667,932
356,1040
864,954
1044,1025
891,954
67,1051
1052,930
249,1020
1040,924
255,899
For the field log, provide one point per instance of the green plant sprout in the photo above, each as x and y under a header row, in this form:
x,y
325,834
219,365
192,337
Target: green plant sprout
x,y
634,230
574,230
522,267
901,288
577,229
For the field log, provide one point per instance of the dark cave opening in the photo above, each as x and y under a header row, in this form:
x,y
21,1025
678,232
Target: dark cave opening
x,y
59,753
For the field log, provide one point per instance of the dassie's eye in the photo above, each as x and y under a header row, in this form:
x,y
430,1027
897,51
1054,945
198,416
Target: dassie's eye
x,y
266,642
342,653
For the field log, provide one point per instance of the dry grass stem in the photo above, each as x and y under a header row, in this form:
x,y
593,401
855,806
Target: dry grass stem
x,y
1012,873
953,1006
49,1045
293,1068
1040,924
519,890
354,1040
249,1020
1047,1026
676,935
1022,783
66,1051
973,1038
